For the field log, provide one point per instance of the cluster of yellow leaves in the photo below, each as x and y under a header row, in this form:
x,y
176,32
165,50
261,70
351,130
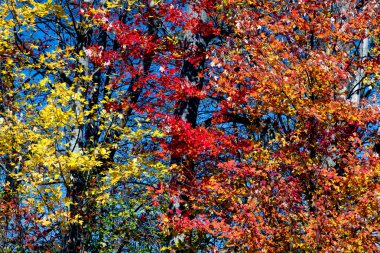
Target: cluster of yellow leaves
x,y
41,138
30,10
42,142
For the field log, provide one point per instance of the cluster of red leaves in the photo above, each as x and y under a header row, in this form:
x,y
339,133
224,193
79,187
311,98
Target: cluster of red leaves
x,y
282,165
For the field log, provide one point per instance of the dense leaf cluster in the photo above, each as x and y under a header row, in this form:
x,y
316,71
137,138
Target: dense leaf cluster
x,y
189,126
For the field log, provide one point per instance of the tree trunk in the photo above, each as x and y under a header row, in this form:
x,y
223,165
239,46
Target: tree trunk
x,y
187,110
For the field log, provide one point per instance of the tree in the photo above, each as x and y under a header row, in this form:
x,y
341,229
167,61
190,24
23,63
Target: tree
x,y
74,151
275,163
190,126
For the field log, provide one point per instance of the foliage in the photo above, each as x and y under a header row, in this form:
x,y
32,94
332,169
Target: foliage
x,y
188,126
75,167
